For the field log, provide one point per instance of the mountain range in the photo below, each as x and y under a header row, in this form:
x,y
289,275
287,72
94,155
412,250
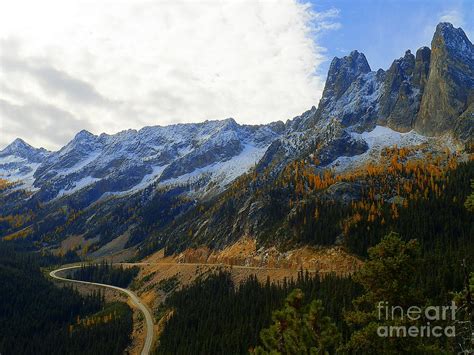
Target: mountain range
x,y
167,173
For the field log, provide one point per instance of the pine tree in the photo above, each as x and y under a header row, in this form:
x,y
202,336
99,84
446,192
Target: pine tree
x,y
464,321
388,278
299,329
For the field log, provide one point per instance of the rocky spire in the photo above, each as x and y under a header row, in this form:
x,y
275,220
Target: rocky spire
x,y
449,91
342,73
422,67
399,102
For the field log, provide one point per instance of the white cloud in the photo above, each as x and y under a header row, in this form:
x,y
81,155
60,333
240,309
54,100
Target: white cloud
x,y
114,65
453,16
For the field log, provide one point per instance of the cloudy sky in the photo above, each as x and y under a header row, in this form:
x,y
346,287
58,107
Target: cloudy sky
x,y
107,66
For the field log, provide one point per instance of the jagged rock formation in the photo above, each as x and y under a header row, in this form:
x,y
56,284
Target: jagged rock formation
x,y
449,90
399,102
350,92
431,92
342,73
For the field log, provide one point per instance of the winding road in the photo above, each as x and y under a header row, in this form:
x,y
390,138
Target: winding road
x,y
135,301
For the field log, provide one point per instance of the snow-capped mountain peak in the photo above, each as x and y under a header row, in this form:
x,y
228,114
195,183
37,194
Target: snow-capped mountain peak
x,y
19,148
191,155
19,161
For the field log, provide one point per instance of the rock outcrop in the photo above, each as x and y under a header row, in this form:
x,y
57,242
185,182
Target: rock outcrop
x,y
350,92
449,92
342,73
400,100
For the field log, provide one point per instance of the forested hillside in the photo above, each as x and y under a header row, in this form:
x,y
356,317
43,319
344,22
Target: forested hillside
x,y
306,205
433,211
37,317
220,317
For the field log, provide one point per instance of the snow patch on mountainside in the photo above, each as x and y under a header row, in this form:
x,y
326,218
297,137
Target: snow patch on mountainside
x,y
377,139
76,186
228,171
223,173
146,181
364,92
384,137
22,172
11,159
79,165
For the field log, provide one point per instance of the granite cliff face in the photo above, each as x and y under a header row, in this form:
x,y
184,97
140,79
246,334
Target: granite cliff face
x,y
446,105
401,96
350,92
422,67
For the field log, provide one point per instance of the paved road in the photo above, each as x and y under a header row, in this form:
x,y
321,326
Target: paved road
x,y
138,303
135,300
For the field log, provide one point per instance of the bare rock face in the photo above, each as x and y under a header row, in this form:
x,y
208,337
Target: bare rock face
x,y
343,71
449,91
351,93
422,67
403,89
464,128
399,102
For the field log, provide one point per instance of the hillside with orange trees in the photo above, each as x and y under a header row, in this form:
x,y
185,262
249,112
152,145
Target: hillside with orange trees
x,y
310,204
4,184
